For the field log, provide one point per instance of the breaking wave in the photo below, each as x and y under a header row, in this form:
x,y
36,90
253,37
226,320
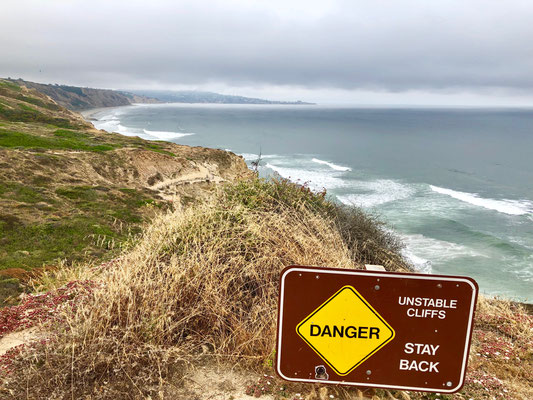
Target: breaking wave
x,y
254,157
376,192
331,165
317,180
112,123
510,207
423,251
165,135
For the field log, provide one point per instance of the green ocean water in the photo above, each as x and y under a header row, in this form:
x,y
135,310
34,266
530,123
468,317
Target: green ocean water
x,y
455,184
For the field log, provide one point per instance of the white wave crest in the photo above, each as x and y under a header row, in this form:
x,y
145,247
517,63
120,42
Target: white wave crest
x,y
317,180
510,207
110,125
525,271
126,131
331,165
423,251
165,135
376,192
113,125
420,264
254,157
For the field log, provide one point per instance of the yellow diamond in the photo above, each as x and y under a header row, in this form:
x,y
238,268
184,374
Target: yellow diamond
x,y
345,330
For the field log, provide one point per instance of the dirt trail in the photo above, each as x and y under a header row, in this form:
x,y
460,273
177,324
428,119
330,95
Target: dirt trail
x,y
216,383
202,175
15,339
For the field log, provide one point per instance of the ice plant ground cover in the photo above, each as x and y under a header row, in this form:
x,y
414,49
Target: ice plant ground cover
x,y
36,309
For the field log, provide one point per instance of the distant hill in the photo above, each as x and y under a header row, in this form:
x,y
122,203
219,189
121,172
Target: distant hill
x,y
83,98
190,96
80,98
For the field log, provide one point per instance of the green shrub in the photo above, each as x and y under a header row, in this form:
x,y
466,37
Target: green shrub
x,y
27,108
19,192
34,116
77,192
38,102
367,238
71,134
10,85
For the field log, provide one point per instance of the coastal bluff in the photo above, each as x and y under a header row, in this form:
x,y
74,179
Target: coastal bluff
x,y
69,191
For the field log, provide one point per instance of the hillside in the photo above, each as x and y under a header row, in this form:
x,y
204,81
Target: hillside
x,y
79,98
191,96
71,192
189,311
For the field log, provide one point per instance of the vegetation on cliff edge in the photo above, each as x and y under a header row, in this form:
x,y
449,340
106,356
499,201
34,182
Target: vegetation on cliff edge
x,y
203,284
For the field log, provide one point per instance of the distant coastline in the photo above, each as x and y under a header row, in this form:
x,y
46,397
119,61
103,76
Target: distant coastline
x,y
84,98
201,97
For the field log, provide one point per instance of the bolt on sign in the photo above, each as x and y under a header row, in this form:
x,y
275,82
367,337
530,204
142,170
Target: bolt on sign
x,y
379,329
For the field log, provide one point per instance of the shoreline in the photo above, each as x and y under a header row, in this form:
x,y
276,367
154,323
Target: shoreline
x,y
522,299
87,114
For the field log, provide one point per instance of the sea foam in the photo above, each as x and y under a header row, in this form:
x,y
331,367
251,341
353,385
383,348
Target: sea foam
x,y
165,135
423,251
510,207
331,165
376,192
420,264
255,157
317,180
112,123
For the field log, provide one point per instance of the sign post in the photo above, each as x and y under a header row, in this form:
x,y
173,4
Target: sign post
x,y
378,329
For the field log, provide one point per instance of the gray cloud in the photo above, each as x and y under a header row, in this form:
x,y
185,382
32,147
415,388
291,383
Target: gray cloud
x,y
479,45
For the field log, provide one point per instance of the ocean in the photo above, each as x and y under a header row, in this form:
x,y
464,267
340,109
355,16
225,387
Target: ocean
x,y
455,184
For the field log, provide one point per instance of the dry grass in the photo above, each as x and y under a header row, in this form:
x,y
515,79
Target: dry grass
x,y
205,279
501,364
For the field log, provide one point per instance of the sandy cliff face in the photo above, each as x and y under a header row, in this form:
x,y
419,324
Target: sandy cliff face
x,y
189,174
170,176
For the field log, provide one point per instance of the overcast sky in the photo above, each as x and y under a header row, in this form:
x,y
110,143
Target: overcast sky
x,y
353,51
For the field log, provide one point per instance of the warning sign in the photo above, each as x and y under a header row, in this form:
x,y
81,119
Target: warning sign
x,y
345,330
378,329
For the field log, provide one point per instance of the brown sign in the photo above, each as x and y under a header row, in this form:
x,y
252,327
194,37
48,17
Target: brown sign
x,y
378,329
